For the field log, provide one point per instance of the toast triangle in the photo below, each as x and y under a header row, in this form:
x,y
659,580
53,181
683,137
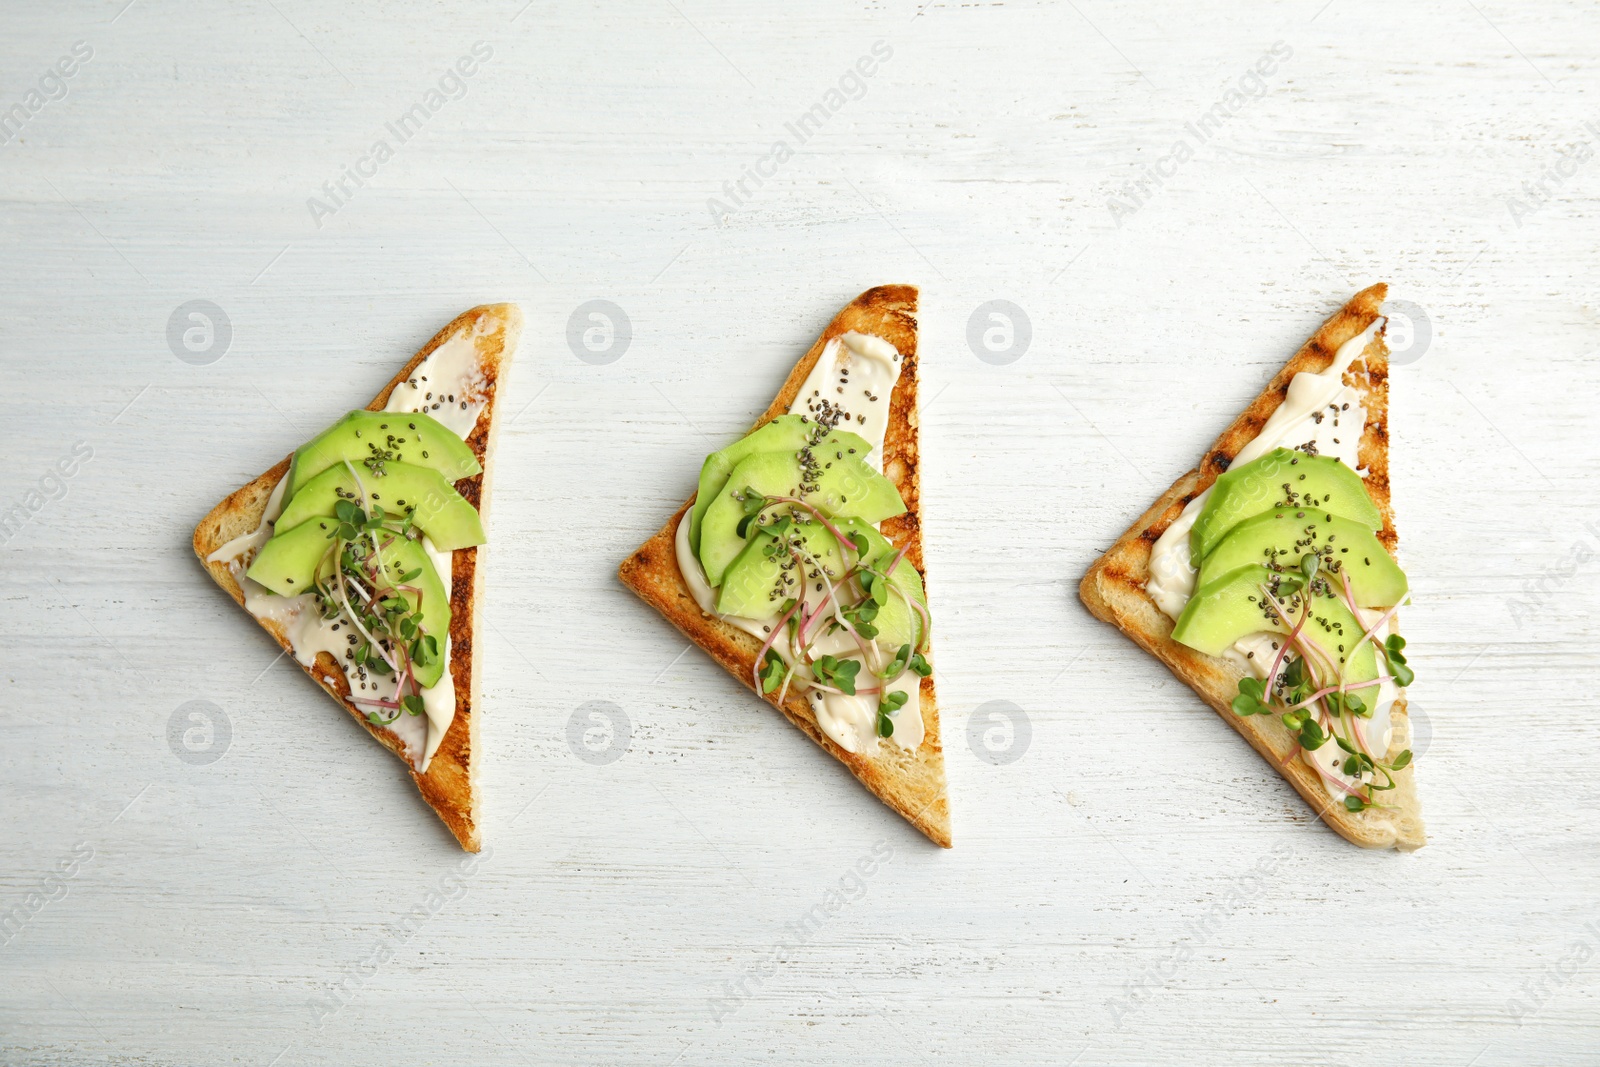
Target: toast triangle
x,y
1114,588
450,783
911,784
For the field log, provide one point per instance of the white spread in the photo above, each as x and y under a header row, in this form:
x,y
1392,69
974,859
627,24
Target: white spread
x,y
1319,408
448,385
453,375
853,378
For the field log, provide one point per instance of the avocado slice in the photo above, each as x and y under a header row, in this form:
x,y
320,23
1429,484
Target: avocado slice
x,y
1282,478
786,433
370,439
287,564
437,509
898,624
1281,537
1231,606
843,487
753,585
401,557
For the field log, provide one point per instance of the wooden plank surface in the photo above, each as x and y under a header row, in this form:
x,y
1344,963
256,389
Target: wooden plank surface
x,y
1134,886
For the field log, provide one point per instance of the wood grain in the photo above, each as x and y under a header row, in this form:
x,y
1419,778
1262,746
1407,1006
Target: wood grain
x,y
1135,887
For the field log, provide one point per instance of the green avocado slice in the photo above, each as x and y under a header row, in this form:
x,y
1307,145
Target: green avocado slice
x,y
786,433
897,622
844,487
369,439
1280,538
1232,606
437,509
400,558
1281,478
757,583
287,564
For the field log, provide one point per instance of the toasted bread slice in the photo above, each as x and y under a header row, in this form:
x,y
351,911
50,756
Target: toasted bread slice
x,y
449,784
1114,588
912,784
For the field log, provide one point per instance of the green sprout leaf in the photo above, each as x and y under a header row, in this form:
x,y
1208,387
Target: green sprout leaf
x,y
1252,693
1402,760
1354,803
1310,563
412,704
920,665
841,674
425,650
1311,735
773,670
1294,673
1391,649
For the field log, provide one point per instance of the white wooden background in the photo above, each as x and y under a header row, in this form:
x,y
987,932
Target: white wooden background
x,y
1134,886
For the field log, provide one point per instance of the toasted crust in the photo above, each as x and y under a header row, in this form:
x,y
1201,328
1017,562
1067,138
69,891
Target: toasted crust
x,y
450,785
1114,588
913,784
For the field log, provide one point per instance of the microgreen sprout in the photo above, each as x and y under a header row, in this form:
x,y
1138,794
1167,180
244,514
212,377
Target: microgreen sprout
x,y
826,592
1310,693
354,585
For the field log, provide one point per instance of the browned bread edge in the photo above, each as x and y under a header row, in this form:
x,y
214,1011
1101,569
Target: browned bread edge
x,y
449,786
1114,587
911,784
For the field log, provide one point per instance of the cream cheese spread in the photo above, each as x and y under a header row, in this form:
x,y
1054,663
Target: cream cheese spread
x,y
448,385
1323,415
852,380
